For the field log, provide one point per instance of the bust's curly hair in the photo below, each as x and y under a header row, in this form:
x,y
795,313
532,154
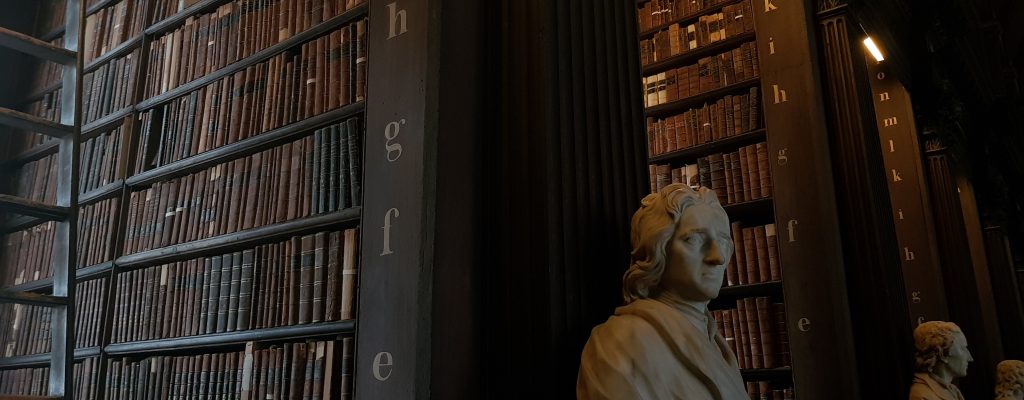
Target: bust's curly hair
x,y
933,339
652,227
1009,379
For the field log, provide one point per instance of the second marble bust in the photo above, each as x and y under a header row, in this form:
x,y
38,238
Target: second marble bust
x,y
663,344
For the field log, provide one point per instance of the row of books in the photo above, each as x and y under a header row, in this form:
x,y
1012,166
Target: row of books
x,y
287,88
49,16
709,73
765,390
303,280
679,38
756,257
35,381
97,228
316,174
28,254
756,330
659,12
27,330
236,30
102,159
111,26
47,107
308,370
110,87
37,180
47,73
729,116
736,177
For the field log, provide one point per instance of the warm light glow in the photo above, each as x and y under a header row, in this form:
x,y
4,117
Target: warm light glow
x,y
870,44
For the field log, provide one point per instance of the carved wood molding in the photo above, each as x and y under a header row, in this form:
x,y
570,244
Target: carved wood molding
x,y
825,6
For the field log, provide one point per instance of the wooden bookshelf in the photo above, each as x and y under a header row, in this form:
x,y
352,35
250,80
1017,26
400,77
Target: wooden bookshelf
x,y
662,110
244,147
691,56
767,374
39,151
717,146
686,19
237,240
101,193
43,360
107,121
233,340
169,23
121,50
751,290
99,6
262,55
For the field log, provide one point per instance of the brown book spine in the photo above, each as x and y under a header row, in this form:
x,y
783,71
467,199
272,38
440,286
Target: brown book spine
x,y
763,169
737,274
306,279
761,245
781,334
750,256
349,274
744,335
774,266
766,328
754,335
751,173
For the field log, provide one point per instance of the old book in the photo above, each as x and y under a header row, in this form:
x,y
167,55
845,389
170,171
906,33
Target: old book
x,y
781,334
737,275
754,336
306,279
751,172
750,256
349,274
245,288
763,169
766,328
744,335
774,266
761,246
355,160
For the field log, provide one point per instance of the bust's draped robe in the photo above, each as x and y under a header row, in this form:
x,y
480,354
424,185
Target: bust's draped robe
x,y
655,351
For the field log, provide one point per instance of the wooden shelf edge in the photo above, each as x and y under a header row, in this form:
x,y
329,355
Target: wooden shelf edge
x,y
746,207
43,359
121,49
232,338
751,289
40,93
99,6
21,223
260,56
33,154
690,102
244,147
710,147
107,121
81,274
685,18
100,193
237,240
55,33
180,17
692,56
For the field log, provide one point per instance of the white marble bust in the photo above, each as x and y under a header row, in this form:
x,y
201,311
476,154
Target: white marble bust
x,y
942,356
663,344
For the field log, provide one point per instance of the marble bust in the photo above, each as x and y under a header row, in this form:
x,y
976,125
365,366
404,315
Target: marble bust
x,y
942,355
664,344
1010,380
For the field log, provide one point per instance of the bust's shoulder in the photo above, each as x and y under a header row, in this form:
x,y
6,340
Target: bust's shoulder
x,y
921,391
627,326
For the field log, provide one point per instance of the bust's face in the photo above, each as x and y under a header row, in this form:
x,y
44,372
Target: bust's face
x,y
697,254
959,356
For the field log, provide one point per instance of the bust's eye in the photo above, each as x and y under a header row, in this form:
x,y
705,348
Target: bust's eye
x,y
692,239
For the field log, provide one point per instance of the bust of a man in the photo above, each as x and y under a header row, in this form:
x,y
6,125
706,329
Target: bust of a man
x,y
942,356
1010,380
663,344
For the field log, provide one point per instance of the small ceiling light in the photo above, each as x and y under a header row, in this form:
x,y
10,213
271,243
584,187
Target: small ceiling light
x,y
870,44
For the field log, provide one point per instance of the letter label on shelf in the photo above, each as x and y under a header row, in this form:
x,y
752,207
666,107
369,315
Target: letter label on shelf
x,y
880,76
891,121
920,320
915,297
883,96
780,94
908,255
771,45
900,213
804,325
397,21
892,146
791,227
387,230
768,6
391,144
382,366
782,158
896,176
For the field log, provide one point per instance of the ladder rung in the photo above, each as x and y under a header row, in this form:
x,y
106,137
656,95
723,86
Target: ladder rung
x,y
20,120
34,299
32,208
20,223
35,47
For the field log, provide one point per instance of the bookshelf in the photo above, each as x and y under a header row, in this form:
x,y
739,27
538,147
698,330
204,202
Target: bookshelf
x,y
792,148
302,127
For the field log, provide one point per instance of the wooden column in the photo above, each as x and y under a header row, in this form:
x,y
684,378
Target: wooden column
x,y
874,280
1005,292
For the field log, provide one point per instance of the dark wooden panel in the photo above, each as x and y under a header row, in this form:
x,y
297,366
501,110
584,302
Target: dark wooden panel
x,y
810,250
395,309
1005,290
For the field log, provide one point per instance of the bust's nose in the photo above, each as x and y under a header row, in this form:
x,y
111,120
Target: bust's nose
x,y
714,254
